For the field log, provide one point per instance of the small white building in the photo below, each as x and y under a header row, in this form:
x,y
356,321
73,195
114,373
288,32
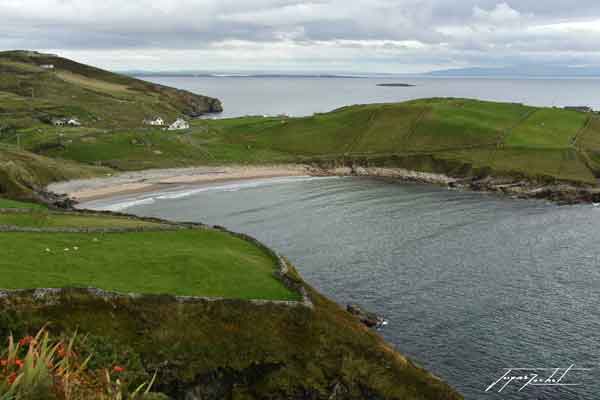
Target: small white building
x,y
73,122
47,66
158,121
179,124
66,122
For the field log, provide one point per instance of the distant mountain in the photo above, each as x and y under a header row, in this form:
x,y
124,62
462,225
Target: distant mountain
x,y
520,71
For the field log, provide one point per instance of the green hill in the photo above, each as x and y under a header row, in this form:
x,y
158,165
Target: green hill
x,y
23,175
244,333
36,87
454,136
493,138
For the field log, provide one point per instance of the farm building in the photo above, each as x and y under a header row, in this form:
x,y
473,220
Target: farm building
x,y
66,122
179,124
157,121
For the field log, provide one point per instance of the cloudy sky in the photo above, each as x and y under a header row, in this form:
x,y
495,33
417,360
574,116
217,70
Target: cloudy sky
x,y
320,35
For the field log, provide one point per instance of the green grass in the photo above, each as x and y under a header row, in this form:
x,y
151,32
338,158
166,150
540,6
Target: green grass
x,y
42,219
6,203
458,123
190,262
547,128
23,173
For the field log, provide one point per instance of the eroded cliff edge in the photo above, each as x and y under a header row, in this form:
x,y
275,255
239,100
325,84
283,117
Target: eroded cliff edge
x,y
233,349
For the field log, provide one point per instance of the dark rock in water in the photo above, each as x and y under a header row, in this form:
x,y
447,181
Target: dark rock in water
x,y
370,319
395,85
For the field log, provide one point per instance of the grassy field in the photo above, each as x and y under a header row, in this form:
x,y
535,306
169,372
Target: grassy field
x,y
502,137
183,262
505,138
6,203
44,219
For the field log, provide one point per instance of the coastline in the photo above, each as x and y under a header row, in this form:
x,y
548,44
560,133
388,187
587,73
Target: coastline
x,y
561,193
161,180
140,182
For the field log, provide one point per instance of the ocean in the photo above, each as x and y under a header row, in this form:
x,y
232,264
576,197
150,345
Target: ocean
x,y
300,96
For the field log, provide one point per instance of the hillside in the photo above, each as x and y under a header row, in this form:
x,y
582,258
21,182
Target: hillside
x,y
458,137
216,314
36,87
472,137
23,175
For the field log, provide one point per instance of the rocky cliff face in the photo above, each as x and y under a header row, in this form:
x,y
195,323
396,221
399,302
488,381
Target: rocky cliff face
x,y
190,103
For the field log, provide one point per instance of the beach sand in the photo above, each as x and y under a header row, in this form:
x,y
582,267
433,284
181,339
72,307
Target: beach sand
x,y
157,179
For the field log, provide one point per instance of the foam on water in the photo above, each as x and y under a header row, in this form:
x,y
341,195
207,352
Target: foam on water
x,y
119,204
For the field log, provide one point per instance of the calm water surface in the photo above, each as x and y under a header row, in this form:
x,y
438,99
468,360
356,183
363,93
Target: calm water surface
x,y
305,96
471,283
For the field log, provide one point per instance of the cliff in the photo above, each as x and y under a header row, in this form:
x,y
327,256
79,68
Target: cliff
x,y
233,349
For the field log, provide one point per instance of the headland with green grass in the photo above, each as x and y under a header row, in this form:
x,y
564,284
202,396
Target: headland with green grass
x,y
214,314
58,249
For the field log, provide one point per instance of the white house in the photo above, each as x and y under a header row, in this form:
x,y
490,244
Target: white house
x,y
66,122
179,124
73,122
158,121
47,66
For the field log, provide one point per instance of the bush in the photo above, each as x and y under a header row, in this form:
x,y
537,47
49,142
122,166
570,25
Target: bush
x,y
37,368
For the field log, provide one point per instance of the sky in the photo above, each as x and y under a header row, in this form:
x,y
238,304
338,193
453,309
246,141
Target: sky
x,y
388,36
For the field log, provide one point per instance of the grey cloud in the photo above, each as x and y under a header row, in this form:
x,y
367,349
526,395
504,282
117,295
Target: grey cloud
x,y
450,32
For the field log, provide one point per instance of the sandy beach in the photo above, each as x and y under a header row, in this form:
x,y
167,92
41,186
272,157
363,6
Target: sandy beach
x,y
152,180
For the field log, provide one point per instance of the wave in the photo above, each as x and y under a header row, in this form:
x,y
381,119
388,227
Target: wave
x,y
122,204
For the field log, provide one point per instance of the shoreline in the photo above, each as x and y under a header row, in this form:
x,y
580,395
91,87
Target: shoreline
x,y
161,180
141,182
562,193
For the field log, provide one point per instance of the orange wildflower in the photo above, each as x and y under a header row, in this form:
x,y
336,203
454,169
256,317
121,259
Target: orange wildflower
x,y
26,340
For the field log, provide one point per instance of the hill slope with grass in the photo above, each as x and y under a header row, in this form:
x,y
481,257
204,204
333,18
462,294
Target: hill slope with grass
x,y
494,138
23,175
458,137
455,136
213,314
36,87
